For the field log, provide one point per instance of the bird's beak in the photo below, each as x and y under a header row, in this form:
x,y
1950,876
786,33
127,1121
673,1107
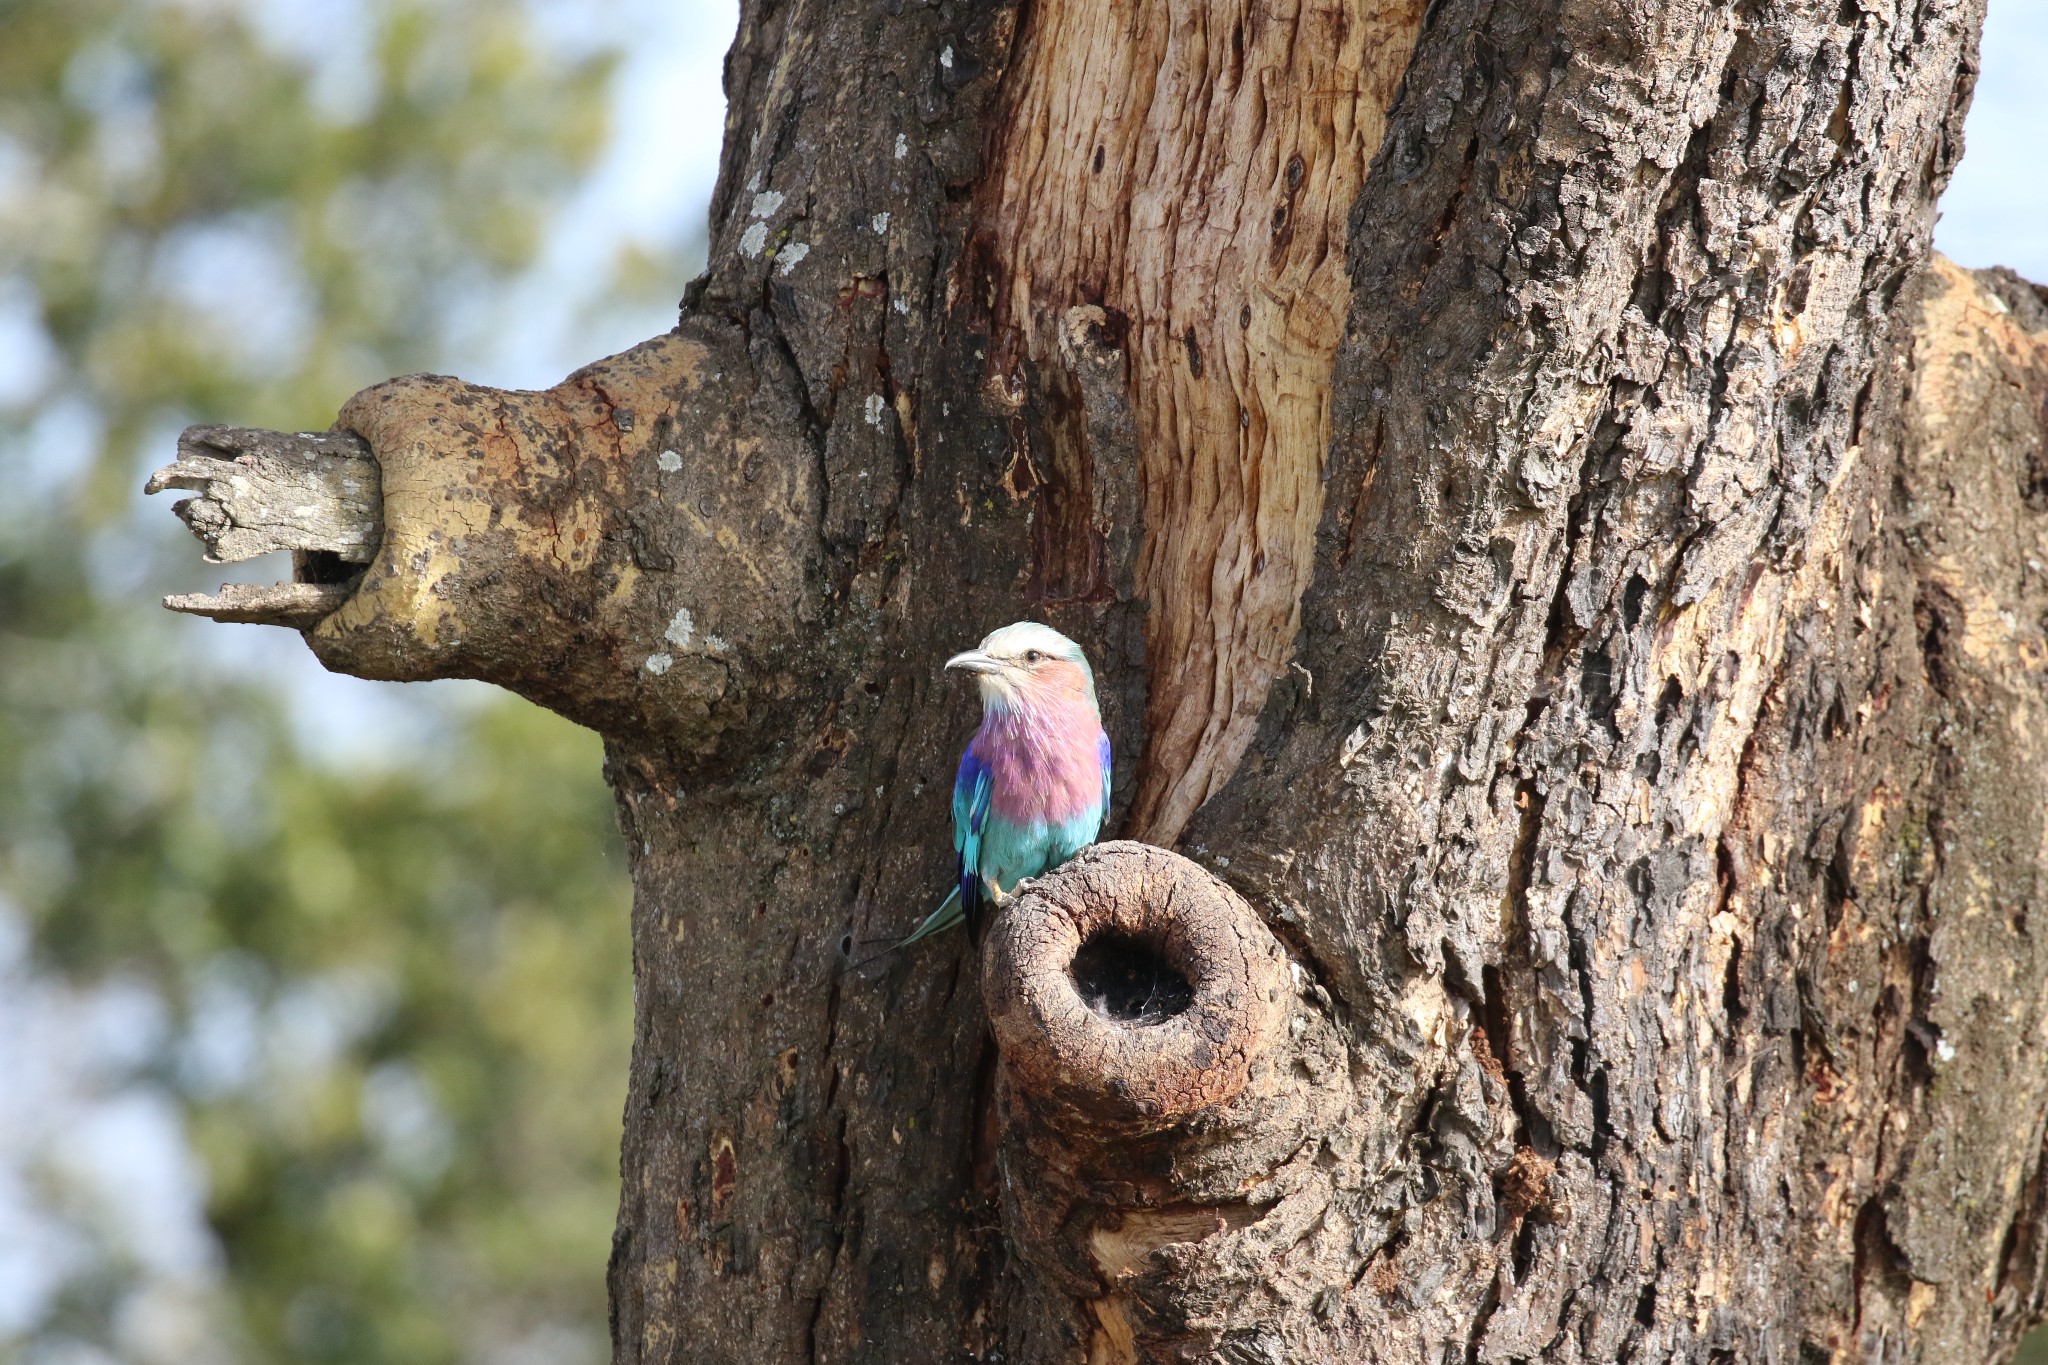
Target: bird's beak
x,y
974,661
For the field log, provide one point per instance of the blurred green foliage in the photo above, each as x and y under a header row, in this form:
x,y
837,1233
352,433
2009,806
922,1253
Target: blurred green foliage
x,y
399,996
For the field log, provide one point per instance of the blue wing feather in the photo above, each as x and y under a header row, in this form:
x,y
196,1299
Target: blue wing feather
x,y
1102,752
972,791
971,787
971,794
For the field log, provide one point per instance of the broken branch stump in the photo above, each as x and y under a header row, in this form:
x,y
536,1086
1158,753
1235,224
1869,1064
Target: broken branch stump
x,y
1167,1076
317,494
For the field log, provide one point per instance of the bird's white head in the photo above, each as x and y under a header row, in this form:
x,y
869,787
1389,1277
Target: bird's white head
x,y
1027,663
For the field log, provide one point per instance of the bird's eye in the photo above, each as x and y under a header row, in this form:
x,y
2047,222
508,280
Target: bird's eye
x,y
1032,656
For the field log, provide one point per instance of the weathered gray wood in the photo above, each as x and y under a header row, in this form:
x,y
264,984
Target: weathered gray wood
x,y
261,491
297,605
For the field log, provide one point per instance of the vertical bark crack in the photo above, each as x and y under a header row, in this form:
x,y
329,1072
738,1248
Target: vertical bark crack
x,y
1119,122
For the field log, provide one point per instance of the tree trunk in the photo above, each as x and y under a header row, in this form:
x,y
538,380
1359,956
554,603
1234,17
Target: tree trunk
x,y
1563,573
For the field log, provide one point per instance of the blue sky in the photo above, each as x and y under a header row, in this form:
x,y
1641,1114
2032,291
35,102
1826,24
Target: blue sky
x,y
1996,208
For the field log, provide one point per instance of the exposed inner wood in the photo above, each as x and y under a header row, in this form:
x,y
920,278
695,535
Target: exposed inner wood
x,y
1190,169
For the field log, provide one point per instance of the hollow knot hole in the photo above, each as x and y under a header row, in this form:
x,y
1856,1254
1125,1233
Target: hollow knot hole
x,y
322,566
1128,981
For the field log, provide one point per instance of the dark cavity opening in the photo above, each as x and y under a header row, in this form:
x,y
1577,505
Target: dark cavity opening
x,y
1127,981
322,566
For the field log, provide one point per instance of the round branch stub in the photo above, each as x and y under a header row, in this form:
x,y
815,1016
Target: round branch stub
x,y
1133,988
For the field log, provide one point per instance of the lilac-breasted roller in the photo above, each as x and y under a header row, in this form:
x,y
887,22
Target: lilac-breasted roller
x,y
1033,785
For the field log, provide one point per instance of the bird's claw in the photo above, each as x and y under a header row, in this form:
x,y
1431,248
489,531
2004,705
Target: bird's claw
x,y
1000,897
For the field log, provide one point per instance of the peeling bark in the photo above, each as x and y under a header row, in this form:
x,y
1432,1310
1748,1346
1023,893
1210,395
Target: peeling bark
x,y
1897,803
1611,813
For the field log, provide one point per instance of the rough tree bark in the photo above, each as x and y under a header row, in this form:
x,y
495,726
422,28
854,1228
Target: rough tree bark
x,y
1563,570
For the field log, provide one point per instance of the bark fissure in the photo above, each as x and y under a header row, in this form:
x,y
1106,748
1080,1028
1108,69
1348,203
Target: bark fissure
x,y
1628,616
1197,191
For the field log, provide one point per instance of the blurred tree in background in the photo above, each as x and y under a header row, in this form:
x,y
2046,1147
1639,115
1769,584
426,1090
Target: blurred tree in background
x,y
373,1020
